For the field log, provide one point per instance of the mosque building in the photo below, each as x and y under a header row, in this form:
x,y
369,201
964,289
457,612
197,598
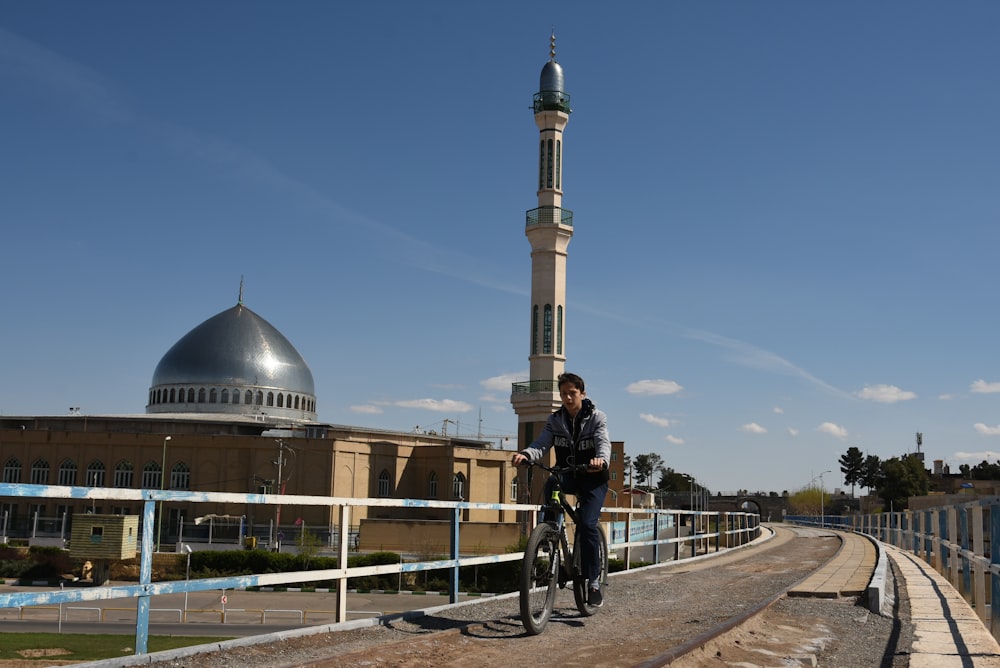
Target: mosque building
x,y
232,408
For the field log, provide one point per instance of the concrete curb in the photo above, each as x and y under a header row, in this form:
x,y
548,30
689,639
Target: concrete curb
x,y
875,592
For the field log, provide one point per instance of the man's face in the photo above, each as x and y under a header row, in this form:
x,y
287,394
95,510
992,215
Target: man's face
x,y
572,398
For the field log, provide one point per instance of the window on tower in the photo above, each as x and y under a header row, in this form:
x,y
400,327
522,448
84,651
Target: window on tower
x,y
534,330
547,331
541,164
558,164
548,164
559,330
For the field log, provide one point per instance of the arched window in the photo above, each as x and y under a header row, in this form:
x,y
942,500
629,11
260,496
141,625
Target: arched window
x,y
541,164
224,396
534,329
383,483
152,475
547,330
558,164
296,402
281,400
190,395
213,396
40,472
201,395
95,474
270,398
559,330
260,398
248,397
458,487
181,395
123,474
548,163
180,476
513,489
12,470
432,485
173,398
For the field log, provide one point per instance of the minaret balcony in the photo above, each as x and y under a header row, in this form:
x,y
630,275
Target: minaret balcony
x,y
532,386
552,100
549,215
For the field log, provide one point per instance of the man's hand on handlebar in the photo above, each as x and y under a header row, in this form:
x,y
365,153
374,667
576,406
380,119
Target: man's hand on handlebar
x,y
597,464
518,459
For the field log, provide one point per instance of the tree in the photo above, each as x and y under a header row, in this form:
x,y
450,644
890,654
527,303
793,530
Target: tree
x,y
871,474
852,464
645,466
901,479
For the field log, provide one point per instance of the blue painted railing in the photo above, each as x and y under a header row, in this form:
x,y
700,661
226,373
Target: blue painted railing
x,y
726,530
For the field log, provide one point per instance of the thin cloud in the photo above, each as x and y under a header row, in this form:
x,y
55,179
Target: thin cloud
x,y
792,431
779,410
976,456
986,430
367,409
749,355
983,387
654,387
437,405
885,394
753,428
832,429
652,419
675,440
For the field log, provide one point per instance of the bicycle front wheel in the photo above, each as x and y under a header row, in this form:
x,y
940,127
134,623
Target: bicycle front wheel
x,y
539,578
581,584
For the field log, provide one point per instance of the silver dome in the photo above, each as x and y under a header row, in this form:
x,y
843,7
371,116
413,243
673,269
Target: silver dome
x,y
551,79
234,362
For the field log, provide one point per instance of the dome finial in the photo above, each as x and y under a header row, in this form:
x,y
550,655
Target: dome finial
x,y
552,44
240,302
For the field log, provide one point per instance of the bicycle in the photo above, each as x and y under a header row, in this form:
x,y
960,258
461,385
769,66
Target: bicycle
x,y
544,571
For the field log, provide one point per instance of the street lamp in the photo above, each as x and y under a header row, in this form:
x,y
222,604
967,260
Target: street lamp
x,y
822,513
163,486
187,579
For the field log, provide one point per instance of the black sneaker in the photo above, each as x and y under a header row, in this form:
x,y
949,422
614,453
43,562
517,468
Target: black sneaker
x,y
594,598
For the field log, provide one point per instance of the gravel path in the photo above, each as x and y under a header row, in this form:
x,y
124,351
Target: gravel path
x,y
647,612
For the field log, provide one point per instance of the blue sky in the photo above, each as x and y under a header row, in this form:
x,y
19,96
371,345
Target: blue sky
x,y
785,214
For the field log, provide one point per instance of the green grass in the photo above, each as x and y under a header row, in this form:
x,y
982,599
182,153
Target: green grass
x,y
85,647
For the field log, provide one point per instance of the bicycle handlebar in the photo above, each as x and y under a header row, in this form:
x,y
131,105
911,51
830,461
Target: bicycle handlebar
x,y
577,468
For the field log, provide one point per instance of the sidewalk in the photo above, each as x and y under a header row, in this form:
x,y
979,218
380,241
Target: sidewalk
x,y
946,631
847,574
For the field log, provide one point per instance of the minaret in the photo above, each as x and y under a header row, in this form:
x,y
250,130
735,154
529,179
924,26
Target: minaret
x,y
549,228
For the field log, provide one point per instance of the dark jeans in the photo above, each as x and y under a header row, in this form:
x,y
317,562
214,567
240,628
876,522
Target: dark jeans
x,y
589,502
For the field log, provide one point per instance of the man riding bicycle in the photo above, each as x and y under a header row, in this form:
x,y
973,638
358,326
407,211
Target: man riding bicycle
x,y
579,432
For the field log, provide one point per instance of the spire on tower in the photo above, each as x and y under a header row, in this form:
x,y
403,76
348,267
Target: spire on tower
x,y
552,45
240,302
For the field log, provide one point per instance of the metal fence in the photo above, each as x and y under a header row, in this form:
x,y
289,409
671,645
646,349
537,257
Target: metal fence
x,y
703,532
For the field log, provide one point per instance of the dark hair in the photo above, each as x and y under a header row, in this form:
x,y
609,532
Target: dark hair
x,y
572,379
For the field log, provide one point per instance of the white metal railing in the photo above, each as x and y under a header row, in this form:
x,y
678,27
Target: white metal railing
x,y
724,530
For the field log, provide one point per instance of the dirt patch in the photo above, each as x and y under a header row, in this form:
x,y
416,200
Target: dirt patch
x,y
40,653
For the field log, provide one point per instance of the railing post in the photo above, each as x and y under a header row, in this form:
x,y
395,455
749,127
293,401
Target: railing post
x,y
928,530
656,536
456,515
944,538
979,549
145,578
994,559
963,533
345,526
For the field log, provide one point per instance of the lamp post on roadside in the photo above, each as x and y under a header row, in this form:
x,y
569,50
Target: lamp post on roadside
x,y
187,579
163,486
822,493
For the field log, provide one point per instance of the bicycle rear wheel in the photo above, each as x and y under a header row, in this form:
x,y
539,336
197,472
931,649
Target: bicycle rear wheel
x,y
581,584
539,578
